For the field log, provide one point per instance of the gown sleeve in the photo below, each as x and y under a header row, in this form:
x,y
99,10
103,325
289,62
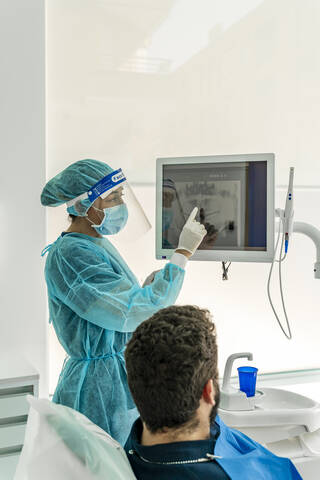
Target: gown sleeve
x,y
89,285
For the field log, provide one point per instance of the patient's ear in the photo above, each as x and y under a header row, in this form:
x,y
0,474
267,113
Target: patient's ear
x,y
208,393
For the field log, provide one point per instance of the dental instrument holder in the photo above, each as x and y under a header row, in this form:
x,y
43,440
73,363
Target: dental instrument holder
x,y
232,398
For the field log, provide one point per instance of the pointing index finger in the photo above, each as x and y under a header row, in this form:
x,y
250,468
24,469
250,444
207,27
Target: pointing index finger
x,y
193,215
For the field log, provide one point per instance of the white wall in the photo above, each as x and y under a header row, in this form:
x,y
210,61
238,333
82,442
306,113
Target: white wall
x,y
23,329
132,81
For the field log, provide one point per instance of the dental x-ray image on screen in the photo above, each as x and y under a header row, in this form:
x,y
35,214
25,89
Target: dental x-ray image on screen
x,y
231,198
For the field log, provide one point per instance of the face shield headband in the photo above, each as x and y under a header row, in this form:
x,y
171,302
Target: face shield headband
x,y
102,188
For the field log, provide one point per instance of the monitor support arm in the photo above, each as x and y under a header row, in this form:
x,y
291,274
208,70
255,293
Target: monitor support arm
x,y
313,233
310,231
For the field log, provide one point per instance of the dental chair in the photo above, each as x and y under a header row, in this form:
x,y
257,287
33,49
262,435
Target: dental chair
x,y
63,444
303,450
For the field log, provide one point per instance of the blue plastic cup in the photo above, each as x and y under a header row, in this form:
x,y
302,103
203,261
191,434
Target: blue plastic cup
x,y
247,380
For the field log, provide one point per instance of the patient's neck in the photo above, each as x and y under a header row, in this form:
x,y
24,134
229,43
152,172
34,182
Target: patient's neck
x,y
197,429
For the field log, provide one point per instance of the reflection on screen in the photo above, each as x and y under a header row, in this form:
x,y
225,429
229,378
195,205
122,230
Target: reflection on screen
x,y
232,203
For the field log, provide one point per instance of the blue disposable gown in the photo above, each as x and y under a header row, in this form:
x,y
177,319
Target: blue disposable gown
x,y
240,458
95,302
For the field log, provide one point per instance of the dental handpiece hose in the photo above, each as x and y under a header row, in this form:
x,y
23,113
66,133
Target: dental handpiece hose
x,y
288,212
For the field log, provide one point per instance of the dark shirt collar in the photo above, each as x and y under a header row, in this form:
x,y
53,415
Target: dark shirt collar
x,y
177,451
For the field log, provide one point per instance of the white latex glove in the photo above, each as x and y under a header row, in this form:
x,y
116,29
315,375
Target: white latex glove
x,y
192,234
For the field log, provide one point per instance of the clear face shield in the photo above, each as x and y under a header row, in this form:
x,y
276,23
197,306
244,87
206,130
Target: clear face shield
x,y
123,216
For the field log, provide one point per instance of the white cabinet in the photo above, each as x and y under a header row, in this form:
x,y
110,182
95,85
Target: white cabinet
x,y
16,382
8,465
14,404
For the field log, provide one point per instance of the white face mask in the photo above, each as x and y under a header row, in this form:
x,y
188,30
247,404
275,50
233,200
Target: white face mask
x,y
114,220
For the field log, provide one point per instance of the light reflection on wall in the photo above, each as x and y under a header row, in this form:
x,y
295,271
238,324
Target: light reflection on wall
x,y
191,26
252,86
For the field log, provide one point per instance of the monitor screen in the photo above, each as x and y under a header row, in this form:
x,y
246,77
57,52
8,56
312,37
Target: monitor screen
x,y
234,195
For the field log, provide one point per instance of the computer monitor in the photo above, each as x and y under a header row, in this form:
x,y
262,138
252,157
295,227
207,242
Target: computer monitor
x,y
235,198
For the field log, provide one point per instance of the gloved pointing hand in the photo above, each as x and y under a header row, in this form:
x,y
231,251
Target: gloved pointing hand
x,y
192,234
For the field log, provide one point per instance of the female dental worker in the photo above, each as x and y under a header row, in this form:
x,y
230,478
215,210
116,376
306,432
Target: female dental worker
x,y
95,301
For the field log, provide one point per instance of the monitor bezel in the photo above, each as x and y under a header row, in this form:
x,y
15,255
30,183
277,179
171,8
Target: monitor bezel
x,y
221,255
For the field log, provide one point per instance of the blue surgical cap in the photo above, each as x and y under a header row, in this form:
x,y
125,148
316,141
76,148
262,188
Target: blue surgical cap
x,y
73,181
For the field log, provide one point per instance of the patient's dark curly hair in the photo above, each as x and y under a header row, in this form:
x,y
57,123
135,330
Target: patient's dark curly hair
x,y
169,359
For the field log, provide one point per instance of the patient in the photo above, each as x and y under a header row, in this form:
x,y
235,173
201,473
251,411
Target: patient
x,y
171,362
